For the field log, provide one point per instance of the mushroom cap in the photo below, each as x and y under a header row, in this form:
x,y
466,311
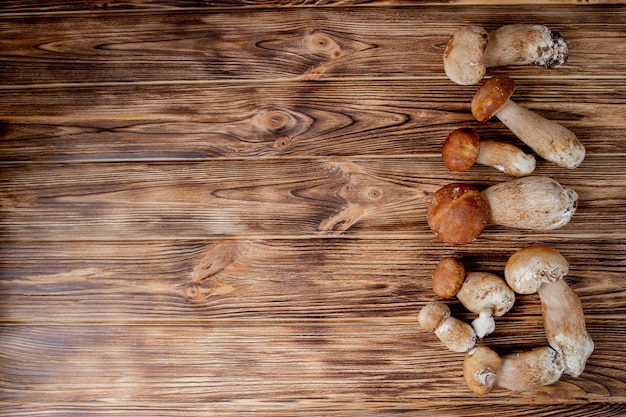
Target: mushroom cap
x,y
530,267
460,149
457,213
480,368
463,55
491,96
448,277
486,292
432,315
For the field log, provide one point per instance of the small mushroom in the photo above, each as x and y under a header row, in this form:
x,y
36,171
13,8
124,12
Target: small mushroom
x,y
483,293
531,203
463,148
550,140
541,269
471,50
529,370
458,213
480,367
457,335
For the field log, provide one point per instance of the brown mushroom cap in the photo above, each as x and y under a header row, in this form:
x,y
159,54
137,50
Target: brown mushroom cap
x,y
432,315
463,55
457,213
460,149
448,277
491,96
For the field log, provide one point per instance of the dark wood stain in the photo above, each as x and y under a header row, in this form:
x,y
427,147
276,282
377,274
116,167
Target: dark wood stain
x,y
219,207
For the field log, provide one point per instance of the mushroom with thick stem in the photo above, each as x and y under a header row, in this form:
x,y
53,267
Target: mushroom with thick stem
x,y
483,293
480,368
471,50
551,141
463,148
457,335
541,269
530,369
458,213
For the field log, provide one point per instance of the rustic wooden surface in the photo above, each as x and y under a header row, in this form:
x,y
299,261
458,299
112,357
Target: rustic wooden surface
x,y
218,208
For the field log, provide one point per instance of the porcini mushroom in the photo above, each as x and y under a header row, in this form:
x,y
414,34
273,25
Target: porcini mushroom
x,y
550,140
483,293
480,367
531,203
463,148
458,213
457,335
529,370
471,50
541,269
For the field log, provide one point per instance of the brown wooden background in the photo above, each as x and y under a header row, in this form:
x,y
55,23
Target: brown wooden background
x,y
218,208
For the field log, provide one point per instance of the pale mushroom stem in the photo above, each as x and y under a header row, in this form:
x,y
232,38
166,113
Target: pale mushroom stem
x,y
505,157
564,322
551,141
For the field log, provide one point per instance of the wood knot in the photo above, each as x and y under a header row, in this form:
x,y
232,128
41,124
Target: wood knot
x,y
374,194
282,143
194,291
275,121
319,43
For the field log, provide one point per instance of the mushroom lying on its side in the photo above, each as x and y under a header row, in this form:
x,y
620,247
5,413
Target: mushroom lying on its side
x,y
457,335
541,269
552,141
471,50
458,213
463,148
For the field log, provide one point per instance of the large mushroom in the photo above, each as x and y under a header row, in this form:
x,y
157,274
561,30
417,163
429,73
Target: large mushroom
x,y
551,141
471,50
541,269
483,293
458,213
463,148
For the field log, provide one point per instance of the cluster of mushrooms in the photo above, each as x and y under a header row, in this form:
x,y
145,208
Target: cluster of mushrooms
x,y
458,213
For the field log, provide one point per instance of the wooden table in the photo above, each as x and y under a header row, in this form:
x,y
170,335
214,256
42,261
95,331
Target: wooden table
x,y
220,209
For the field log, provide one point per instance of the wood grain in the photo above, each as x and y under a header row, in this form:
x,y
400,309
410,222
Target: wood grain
x,y
381,197
256,280
284,119
295,43
218,207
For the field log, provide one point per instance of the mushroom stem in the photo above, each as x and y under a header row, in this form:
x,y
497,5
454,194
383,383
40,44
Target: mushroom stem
x,y
505,157
523,44
528,370
533,202
564,323
551,141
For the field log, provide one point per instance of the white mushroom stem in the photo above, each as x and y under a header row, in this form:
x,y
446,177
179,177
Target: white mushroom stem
x,y
565,327
533,202
505,157
457,335
528,370
551,141
487,295
523,44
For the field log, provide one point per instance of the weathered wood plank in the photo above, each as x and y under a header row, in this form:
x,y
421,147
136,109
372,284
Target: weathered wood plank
x,y
267,280
281,198
295,43
304,367
47,6
284,119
